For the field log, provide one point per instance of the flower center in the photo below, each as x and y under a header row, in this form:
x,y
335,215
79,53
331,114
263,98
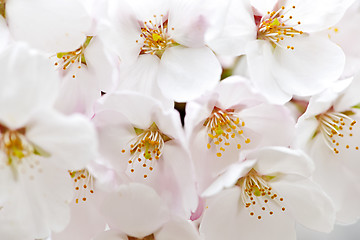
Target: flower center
x,y
273,27
149,237
67,59
84,184
257,194
223,125
156,37
146,147
19,152
335,127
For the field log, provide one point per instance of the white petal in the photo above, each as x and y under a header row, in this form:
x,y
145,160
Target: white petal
x,y
310,68
121,31
70,141
227,218
273,160
263,6
307,202
272,122
111,235
178,229
189,33
229,177
317,15
141,77
24,92
136,210
186,73
79,94
232,27
46,27
115,133
260,58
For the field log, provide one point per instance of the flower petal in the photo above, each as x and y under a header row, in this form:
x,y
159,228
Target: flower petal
x,y
227,218
260,58
136,210
178,229
24,92
307,202
186,73
46,28
310,68
70,140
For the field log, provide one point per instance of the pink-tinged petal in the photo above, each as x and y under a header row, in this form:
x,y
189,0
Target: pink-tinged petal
x,y
273,123
317,15
307,202
274,160
227,218
136,210
186,73
141,77
232,27
24,92
178,229
236,92
69,140
177,160
189,33
42,24
308,69
260,58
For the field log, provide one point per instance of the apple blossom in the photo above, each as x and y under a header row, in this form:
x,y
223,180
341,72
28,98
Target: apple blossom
x,y
266,192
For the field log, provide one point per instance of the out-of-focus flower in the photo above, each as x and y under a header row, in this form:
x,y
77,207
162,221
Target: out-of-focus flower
x,y
38,144
130,217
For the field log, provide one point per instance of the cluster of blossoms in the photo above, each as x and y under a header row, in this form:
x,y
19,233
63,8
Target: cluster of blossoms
x,y
178,119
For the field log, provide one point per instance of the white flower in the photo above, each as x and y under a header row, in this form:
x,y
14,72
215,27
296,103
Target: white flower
x,y
136,211
37,144
155,33
230,119
266,193
329,132
284,57
142,142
